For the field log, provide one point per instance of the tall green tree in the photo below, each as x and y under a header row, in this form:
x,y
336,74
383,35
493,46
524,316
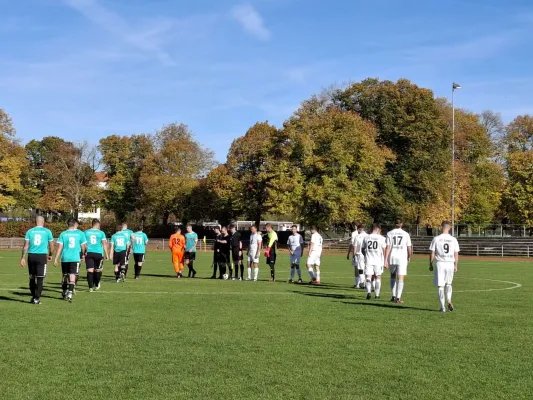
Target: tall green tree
x,y
265,180
408,122
12,162
173,170
123,158
337,160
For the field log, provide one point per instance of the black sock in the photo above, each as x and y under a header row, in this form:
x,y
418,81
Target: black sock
x,y
71,286
236,268
64,286
191,265
33,285
117,274
242,271
273,271
39,289
97,277
190,270
215,268
90,279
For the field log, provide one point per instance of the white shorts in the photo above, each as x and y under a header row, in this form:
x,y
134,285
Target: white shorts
x,y
360,259
398,269
295,258
253,260
314,259
444,274
374,270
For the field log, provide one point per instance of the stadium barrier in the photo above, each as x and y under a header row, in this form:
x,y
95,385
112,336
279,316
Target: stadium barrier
x,y
481,247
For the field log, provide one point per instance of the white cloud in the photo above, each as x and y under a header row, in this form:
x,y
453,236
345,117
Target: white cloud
x,y
251,21
143,40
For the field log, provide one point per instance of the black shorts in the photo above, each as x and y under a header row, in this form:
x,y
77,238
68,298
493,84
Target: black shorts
x,y
190,255
235,257
37,265
70,268
272,258
138,257
222,258
119,258
94,260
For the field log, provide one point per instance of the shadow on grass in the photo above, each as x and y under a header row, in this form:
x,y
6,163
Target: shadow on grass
x,y
373,303
27,294
5,298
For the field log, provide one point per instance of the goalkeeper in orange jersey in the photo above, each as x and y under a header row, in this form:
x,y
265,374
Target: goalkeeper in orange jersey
x,y
177,247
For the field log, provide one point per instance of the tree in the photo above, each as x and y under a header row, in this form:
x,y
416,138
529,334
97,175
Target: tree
x,y
71,179
408,122
173,170
519,134
264,180
12,162
335,157
123,158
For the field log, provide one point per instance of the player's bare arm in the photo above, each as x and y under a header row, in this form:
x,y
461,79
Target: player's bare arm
x,y
409,253
195,244
387,254
106,249
51,248
58,254
431,259
24,253
456,263
350,249
112,250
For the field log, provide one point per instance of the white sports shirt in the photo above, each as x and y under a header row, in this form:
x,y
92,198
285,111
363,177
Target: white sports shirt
x,y
353,238
375,249
317,240
358,247
445,246
398,241
255,239
295,242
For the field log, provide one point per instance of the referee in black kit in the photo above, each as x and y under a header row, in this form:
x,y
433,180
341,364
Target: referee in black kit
x,y
236,253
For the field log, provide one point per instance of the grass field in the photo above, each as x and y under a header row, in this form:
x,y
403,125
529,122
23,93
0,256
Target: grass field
x,y
163,338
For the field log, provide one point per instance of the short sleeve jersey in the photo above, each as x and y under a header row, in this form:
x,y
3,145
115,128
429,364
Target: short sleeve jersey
x,y
295,242
140,241
317,240
119,241
255,239
190,241
353,238
235,241
72,240
177,243
398,241
95,239
358,248
128,233
375,249
445,246
38,238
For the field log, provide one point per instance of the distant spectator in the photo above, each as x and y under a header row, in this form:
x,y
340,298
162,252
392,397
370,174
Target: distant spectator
x,y
429,230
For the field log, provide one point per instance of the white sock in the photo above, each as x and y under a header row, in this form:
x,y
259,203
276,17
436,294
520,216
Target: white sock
x,y
292,273
377,284
399,288
249,273
318,275
373,283
449,293
368,285
256,273
357,280
393,286
441,296
299,273
311,274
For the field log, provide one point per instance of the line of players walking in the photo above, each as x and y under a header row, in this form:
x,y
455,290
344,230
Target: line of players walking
x,y
371,254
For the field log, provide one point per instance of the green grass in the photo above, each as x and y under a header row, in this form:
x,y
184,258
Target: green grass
x,y
162,338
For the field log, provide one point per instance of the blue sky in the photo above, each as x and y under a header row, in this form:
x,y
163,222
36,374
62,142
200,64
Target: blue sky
x,y
84,69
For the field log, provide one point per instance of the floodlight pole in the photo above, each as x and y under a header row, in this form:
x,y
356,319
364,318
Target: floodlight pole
x,y
454,87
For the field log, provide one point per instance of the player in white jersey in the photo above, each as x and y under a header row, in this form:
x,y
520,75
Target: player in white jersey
x,y
374,250
359,256
351,252
296,250
445,256
315,252
254,250
397,256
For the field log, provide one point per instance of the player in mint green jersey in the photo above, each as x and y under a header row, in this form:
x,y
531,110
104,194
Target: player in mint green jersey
x,y
94,259
139,240
72,244
191,241
129,234
38,247
120,247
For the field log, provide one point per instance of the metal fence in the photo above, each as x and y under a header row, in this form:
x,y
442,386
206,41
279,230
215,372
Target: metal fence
x,y
482,247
